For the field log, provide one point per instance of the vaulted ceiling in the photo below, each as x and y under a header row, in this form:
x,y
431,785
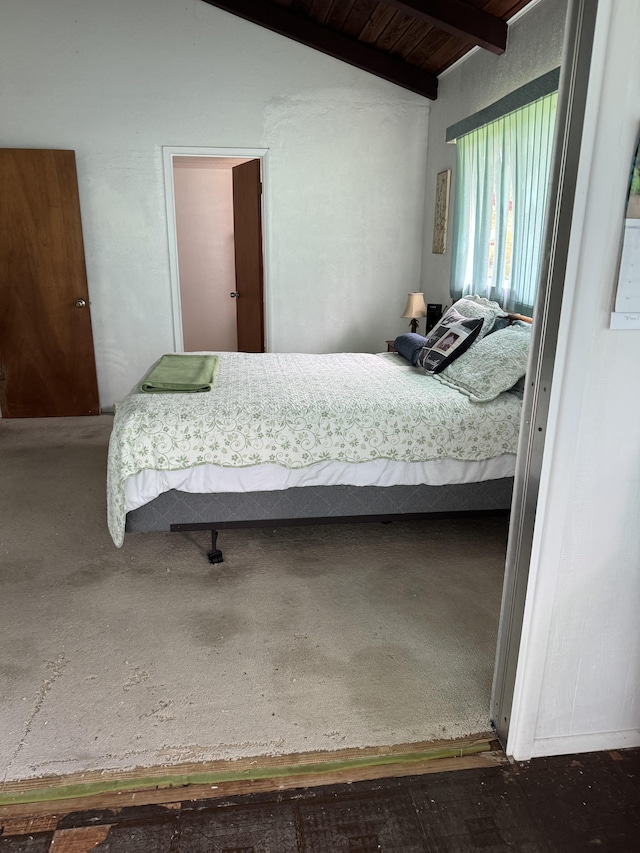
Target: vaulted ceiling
x,y
407,42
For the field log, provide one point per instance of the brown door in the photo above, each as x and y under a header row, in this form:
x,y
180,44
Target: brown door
x,y
47,363
247,226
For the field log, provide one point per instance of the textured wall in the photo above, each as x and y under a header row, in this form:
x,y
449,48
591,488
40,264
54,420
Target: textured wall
x,y
345,194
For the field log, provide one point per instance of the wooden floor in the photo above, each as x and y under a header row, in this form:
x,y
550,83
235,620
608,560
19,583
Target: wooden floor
x,y
575,803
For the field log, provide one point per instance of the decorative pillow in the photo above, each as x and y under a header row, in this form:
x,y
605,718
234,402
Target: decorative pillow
x,y
452,335
492,366
409,345
478,306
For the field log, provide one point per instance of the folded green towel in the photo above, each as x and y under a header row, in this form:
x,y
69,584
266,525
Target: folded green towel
x,y
176,372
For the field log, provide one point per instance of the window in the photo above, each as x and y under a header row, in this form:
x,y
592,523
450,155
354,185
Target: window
x,y
502,172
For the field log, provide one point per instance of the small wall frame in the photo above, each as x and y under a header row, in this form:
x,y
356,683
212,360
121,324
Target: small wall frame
x,y
443,184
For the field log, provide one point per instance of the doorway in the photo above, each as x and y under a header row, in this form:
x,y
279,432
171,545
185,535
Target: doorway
x,y
214,201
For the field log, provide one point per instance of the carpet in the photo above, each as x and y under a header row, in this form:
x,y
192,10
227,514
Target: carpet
x,y
304,639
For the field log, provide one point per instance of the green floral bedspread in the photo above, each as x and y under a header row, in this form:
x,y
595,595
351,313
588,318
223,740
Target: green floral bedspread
x,y
298,409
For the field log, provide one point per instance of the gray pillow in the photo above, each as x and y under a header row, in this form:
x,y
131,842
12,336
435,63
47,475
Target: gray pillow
x,y
518,388
490,366
478,306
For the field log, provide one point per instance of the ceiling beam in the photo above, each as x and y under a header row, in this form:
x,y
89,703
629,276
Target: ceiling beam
x,y
285,23
459,19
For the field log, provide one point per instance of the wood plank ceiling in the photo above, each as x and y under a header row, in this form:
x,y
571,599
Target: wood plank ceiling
x,y
407,42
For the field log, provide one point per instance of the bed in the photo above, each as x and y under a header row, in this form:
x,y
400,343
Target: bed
x,y
284,438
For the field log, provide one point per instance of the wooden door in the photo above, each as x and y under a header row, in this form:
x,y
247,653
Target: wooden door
x,y
47,362
247,226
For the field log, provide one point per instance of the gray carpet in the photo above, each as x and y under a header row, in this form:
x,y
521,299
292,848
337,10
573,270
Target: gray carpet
x,y
307,638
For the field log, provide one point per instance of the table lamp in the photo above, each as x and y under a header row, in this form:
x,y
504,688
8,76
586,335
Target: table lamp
x,y
415,308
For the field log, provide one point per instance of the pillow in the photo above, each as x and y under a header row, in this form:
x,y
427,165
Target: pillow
x,y
499,324
492,366
409,345
451,336
478,306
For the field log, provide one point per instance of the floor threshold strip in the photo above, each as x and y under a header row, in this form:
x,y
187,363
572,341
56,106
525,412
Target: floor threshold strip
x,y
310,769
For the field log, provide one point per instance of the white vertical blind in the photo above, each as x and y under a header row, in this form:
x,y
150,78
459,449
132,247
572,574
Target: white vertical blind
x,y
502,172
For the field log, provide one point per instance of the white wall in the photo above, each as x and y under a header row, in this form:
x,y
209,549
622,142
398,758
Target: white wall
x,y
345,194
534,46
578,677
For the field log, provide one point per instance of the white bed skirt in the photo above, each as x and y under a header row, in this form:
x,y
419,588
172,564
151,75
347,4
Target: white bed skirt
x,y
147,485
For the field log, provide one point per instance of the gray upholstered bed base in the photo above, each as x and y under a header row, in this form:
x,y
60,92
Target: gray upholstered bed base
x,y
182,510
175,510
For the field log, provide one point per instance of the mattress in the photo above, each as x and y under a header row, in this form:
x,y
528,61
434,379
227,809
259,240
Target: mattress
x,y
275,421
145,486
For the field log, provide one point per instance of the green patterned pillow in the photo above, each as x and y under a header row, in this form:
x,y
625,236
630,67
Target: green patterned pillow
x,y
490,366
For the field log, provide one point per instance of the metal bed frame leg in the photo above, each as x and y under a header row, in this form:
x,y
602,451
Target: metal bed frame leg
x,y
214,555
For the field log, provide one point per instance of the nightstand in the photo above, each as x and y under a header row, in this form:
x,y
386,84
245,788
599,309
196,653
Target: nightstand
x,y
390,347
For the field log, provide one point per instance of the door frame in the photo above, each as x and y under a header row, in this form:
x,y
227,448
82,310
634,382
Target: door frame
x,y
168,153
570,119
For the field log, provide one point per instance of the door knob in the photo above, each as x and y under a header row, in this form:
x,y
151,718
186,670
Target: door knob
x,y
234,294
80,303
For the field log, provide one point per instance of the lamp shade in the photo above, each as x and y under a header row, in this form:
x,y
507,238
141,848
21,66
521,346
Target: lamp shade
x,y
415,306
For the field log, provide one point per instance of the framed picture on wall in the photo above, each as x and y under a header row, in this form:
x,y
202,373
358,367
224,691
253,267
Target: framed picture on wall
x,y
443,183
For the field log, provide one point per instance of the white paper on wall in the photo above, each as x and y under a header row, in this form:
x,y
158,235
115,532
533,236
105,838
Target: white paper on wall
x,y
626,314
628,294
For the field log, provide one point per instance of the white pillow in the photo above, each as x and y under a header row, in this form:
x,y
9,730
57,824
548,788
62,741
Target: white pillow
x,y
479,306
490,366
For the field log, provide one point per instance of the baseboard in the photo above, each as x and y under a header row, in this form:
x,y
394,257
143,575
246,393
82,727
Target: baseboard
x,y
590,742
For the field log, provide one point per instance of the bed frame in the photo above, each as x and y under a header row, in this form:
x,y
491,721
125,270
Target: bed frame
x,y
181,511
